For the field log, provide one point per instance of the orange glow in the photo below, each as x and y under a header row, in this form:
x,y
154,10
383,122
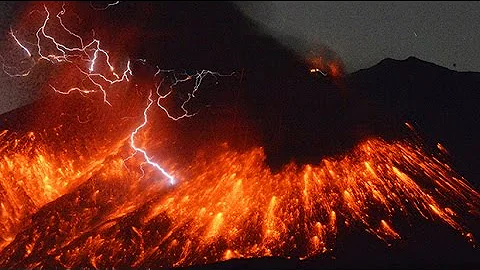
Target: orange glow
x,y
32,176
227,205
388,230
332,67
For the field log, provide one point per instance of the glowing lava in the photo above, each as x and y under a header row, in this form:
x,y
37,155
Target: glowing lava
x,y
231,205
67,209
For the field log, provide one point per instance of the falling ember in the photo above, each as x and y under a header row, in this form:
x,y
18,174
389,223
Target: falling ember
x,y
68,209
442,148
388,230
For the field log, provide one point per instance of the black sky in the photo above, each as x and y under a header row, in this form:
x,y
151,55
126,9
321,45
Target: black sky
x,y
364,33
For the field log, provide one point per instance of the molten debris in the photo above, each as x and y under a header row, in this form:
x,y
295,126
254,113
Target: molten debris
x,y
227,204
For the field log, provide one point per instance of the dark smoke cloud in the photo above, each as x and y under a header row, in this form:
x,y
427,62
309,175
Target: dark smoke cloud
x,y
297,115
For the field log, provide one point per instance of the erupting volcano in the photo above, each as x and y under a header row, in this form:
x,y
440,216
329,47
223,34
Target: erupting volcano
x,y
124,165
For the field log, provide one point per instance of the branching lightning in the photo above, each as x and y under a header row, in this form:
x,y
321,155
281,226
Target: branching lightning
x,y
87,53
180,78
85,59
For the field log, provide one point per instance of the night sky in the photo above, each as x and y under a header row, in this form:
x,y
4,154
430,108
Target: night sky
x,y
360,33
364,33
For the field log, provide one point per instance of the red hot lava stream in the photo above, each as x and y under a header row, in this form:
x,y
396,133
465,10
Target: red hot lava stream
x,y
228,205
108,208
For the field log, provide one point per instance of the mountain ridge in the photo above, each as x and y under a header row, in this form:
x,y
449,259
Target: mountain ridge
x,y
440,102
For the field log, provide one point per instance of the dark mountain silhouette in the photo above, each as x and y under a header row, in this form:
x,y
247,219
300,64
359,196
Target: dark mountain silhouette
x,y
441,104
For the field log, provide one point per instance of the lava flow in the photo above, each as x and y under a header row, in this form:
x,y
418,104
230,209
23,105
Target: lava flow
x,y
89,202
229,205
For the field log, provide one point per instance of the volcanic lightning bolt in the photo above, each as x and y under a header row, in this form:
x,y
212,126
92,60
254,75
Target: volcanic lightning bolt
x,y
85,53
20,44
179,78
142,151
90,53
105,7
